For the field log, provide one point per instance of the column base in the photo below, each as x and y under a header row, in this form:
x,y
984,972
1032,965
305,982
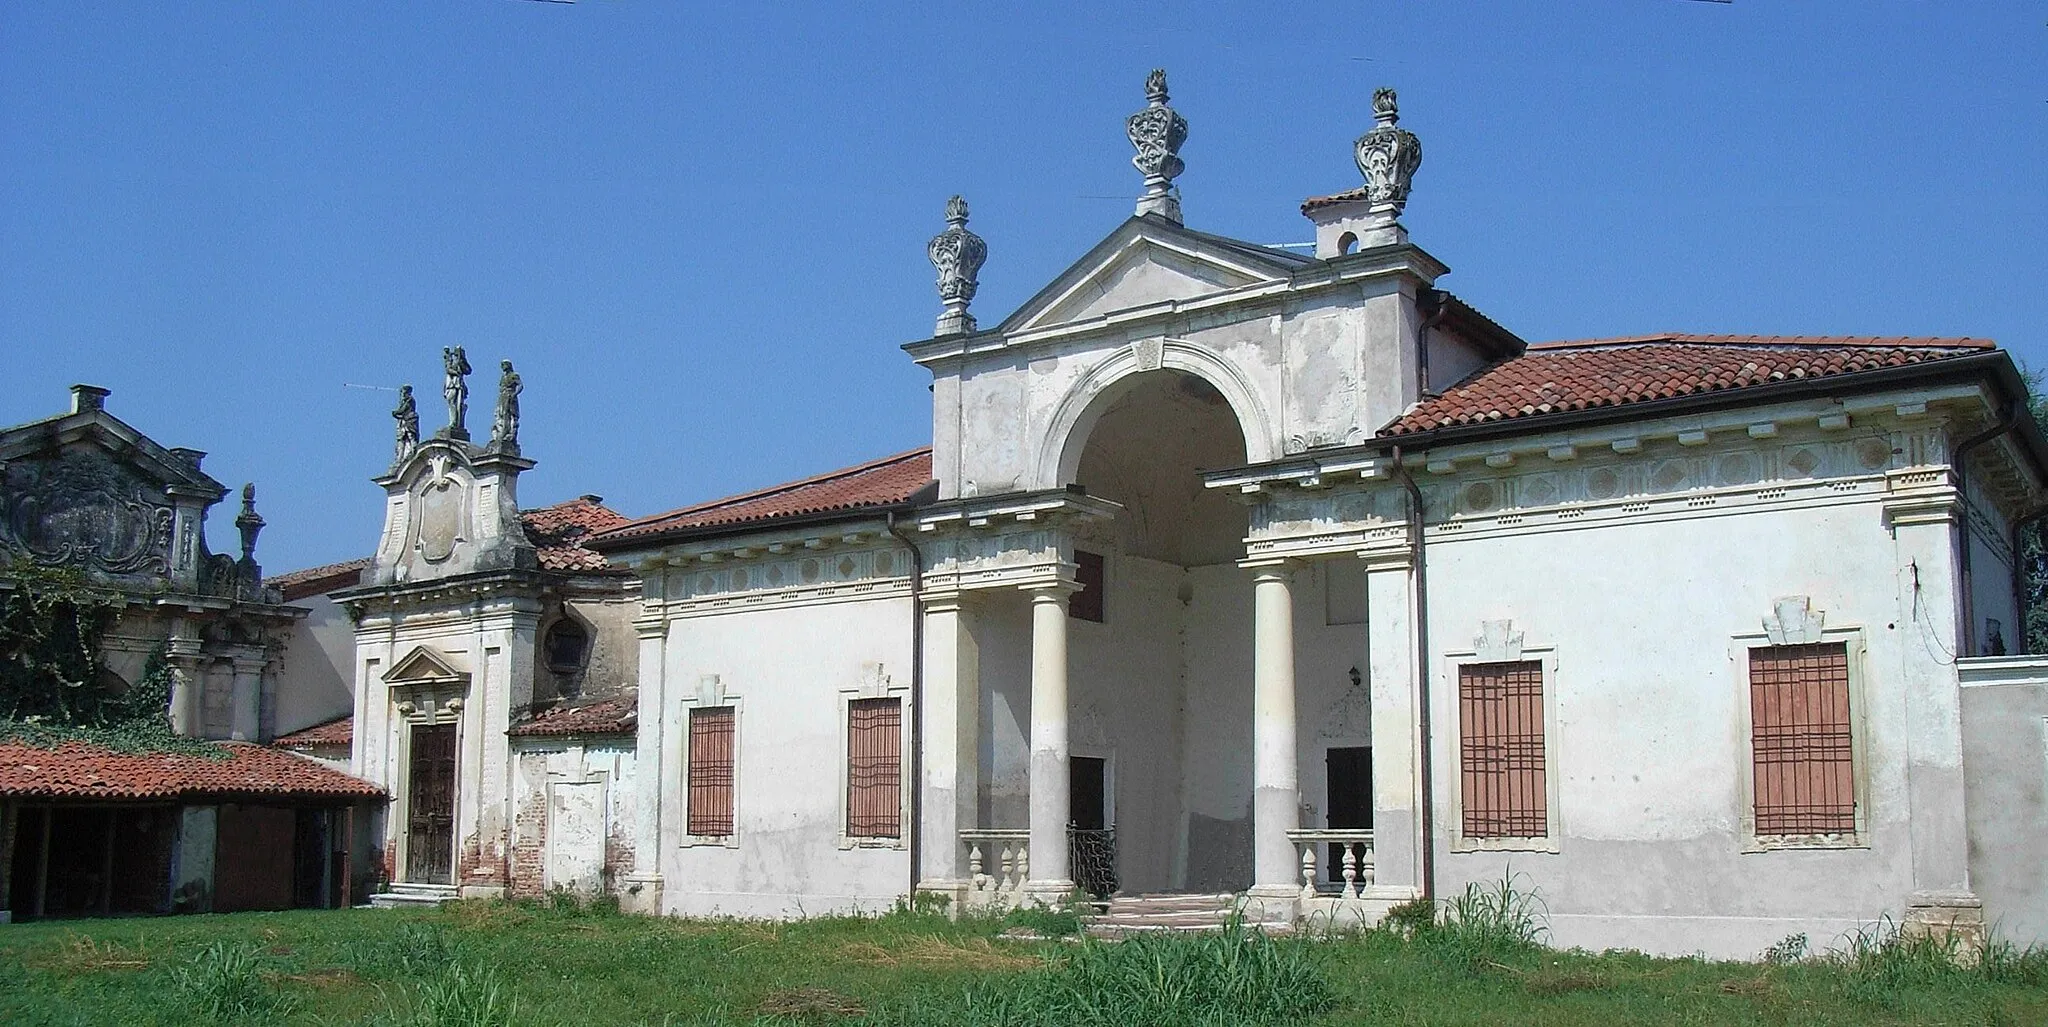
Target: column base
x,y
641,894
1049,893
1271,904
1957,916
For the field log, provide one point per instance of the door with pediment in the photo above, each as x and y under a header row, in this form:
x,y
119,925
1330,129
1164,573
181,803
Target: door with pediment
x,y
430,816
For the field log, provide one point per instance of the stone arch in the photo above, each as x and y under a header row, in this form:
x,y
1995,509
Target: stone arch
x,y
1073,419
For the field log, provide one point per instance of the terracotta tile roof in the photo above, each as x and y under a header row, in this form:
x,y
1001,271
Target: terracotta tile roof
x,y
878,483
75,770
1347,196
314,581
340,731
1563,376
557,532
618,715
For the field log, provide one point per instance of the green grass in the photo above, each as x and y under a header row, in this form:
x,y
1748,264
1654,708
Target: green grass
x,y
543,964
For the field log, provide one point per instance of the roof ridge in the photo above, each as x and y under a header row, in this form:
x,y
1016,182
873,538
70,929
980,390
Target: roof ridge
x,y
1736,339
778,489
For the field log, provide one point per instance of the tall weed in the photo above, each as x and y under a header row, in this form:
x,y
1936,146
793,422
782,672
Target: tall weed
x,y
415,949
225,983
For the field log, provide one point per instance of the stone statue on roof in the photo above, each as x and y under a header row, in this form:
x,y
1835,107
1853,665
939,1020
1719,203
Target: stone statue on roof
x,y
408,417
455,389
505,426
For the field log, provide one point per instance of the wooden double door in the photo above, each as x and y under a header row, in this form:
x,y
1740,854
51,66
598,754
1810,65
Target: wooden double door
x,y
430,806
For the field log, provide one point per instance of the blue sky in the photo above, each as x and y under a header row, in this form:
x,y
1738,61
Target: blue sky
x,y
699,229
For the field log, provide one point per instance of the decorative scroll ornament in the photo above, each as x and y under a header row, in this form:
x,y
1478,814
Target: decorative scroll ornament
x,y
408,417
1157,132
84,511
958,255
1388,156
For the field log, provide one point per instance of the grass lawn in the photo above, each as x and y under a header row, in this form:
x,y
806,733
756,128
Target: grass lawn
x,y
495,963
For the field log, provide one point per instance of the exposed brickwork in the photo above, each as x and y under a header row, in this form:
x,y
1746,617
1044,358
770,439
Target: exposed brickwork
x,y
619,854
528,875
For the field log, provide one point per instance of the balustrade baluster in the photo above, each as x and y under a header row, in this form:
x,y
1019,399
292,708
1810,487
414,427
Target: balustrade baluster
x,y
1350,870
1308,871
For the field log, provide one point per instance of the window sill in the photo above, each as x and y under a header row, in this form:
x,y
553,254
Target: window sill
x,y
709,841
1780,843
871,843
1504,845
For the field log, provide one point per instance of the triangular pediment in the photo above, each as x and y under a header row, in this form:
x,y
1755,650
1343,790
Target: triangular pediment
x,y
1145,262
426,663
99,437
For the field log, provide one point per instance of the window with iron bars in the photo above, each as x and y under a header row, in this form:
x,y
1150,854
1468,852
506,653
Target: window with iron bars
x,y
1801,745
1501,756
710,783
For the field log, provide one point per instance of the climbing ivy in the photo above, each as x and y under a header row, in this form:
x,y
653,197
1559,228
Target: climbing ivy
x,y
54,686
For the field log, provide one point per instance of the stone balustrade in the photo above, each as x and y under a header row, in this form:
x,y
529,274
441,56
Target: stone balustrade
x,y
1353,870
998,864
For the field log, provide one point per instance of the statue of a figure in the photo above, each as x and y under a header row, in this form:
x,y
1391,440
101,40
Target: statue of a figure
x,y
505,426
455,390
408,417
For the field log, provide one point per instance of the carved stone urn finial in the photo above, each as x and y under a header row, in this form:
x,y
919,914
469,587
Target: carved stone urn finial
x,y
958,255
1387,156
249,523
1157,132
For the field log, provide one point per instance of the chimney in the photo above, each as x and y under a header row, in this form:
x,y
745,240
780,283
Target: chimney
x,y
88,397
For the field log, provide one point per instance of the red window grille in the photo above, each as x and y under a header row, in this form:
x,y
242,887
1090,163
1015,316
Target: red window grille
x,y
874,768
1501,750
1803,760
1086,604
710,771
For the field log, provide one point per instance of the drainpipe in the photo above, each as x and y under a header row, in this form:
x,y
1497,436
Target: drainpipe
x,y
914,829
1966,612
1429,321
1427,767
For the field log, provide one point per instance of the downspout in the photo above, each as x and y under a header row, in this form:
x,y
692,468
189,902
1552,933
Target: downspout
x,y
1429,321
913,832
1966,611
1426,749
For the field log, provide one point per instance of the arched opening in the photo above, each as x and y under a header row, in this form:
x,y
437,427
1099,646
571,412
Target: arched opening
x,y
565,648
1347,243
1159,686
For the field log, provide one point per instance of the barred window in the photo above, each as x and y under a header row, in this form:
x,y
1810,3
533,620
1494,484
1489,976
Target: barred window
x,y
874,768
1800,746
1501,750
1086,603
710,771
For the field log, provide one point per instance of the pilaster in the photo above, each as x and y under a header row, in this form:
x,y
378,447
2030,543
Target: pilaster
x,y
643,887
1390,645
951,726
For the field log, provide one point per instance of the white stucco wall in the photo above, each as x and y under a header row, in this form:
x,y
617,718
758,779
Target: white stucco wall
x,y
2005,750
788,672
315,685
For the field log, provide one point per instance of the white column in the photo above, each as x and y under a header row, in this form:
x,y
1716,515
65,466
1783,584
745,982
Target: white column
x,y
1051,877
247,725
951,727
642,892
1390,646
1276,794
187,715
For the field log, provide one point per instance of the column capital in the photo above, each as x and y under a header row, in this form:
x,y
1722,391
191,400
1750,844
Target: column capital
x,y
1050,591
1387,559
1272,568
650,630
948,601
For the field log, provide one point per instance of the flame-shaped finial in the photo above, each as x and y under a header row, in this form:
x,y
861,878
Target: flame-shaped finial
x,y
957,254
1387,156
1157,132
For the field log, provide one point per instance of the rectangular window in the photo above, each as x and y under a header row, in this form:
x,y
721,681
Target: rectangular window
x,y
1501,750
1086,604
710,780
1799,739
874,768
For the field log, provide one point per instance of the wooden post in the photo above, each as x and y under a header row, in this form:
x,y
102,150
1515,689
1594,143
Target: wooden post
x,y
107,868
7,817
43,863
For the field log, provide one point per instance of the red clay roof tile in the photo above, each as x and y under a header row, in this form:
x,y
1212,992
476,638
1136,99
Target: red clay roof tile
x,y
341,731
557,532
877,483
615,716
1563,376
315,581
76,770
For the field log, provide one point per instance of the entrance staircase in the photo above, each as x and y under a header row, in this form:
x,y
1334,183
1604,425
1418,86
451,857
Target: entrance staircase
x,y
1130,915
413,896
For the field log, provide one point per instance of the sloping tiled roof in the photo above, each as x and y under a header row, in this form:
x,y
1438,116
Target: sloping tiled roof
x,y
618,715
341,731
1347,196
75,770
878,483
1563,376
314,581
557,532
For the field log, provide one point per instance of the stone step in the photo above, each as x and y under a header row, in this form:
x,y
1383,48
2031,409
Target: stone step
x,y
412,896
1168,903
